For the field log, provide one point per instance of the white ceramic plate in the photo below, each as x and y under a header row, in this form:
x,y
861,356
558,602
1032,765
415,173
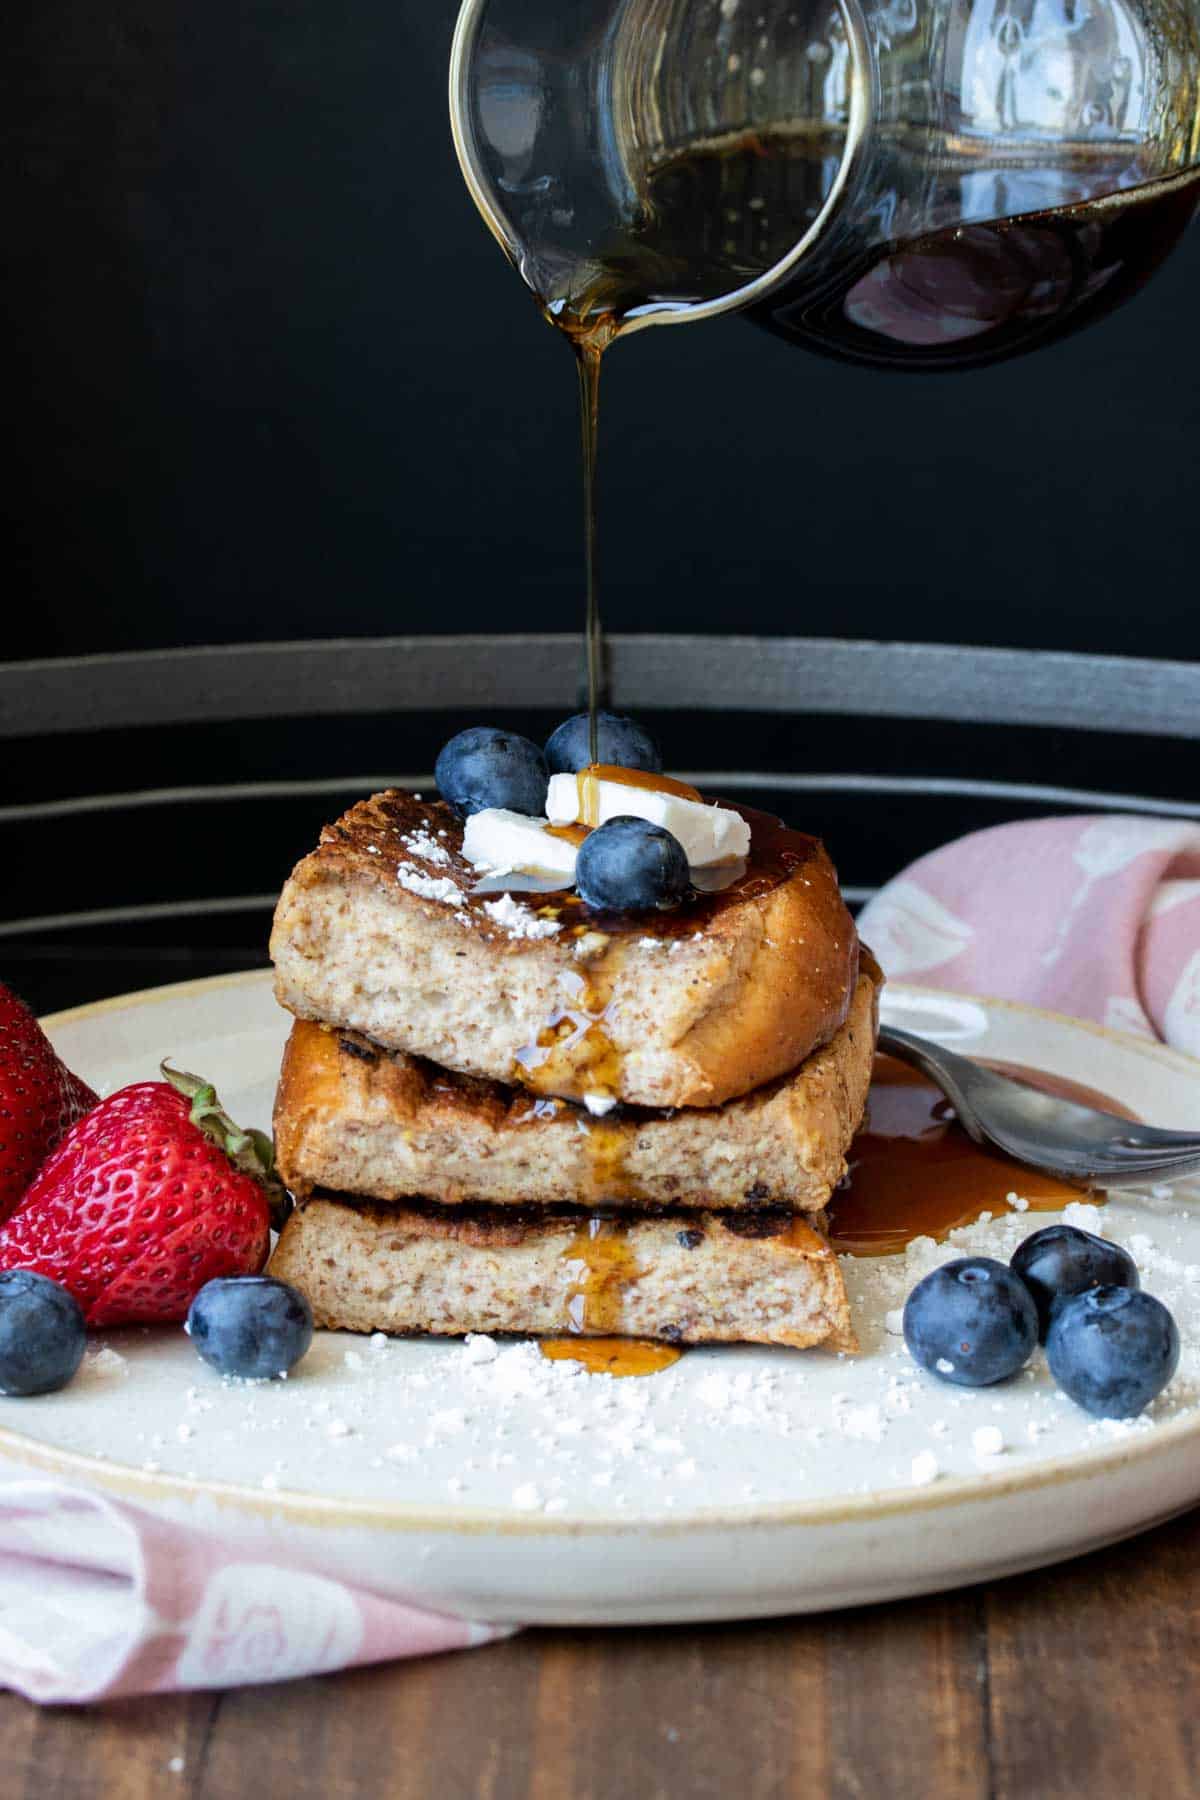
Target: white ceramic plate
x,y
490,1482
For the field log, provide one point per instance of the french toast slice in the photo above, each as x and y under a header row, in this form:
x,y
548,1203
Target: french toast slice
x,y
766,1277
379,931
356,1119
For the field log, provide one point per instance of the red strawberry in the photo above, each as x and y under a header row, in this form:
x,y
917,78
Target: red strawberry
x,y
151,1195
39,1099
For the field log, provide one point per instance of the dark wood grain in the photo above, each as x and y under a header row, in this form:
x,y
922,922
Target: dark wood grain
x,y
117,1752
908,1701
1074,1681
1094,1672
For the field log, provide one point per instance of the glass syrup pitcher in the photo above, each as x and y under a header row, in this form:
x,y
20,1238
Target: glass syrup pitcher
x,y
905,183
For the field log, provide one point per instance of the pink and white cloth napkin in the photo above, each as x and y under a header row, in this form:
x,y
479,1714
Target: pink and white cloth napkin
x,y
1094,916
100,1599
1099,917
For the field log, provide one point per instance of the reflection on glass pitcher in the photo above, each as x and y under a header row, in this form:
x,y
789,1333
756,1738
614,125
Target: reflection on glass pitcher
x,y
1029,165
909,183
1047,67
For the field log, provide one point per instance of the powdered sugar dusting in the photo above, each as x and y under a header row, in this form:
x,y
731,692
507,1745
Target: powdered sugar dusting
x,y
429,887
421,844
517,920
925,1468
473,1424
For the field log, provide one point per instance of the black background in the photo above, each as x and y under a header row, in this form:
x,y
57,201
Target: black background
x,y
269,377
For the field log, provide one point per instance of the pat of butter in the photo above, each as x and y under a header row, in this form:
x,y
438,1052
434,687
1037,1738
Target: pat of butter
x,y
709,834
505,842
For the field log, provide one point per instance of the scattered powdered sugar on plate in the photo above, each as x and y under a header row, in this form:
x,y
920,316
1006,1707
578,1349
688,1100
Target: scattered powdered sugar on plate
x,y
490,1422
105,1364
925,1468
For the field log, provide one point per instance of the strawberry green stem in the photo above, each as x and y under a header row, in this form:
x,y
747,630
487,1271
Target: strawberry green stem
x,y
251,1152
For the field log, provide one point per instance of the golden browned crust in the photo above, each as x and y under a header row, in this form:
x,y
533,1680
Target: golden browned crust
x,y
378,931
357,1119
687,1277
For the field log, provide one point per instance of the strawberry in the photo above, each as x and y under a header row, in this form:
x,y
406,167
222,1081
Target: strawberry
x,y
149,1196
39,1099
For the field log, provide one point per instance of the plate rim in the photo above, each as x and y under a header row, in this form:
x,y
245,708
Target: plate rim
x,y
339,1511
149,996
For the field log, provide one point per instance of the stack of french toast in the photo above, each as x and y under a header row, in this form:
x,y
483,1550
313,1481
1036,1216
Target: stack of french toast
x,y
509,1104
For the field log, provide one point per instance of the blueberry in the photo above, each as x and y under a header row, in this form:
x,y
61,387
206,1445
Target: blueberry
x,y
484,767
42,1334
629,865
619,741
250,1325
972,1322
1112,1349
1063,1260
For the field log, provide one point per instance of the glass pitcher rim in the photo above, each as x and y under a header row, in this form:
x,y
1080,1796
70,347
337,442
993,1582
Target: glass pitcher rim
x,y
859,118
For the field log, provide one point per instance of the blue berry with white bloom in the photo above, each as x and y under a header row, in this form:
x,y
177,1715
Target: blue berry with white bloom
x,y
250,1325
484,767
972,1322
1112,1349
620,742
629,865
42,1334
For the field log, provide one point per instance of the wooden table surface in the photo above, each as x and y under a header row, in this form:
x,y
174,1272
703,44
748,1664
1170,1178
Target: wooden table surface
x,y
1076,1681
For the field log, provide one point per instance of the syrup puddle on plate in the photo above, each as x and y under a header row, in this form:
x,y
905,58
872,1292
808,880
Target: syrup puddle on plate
x,y
913,1172
612,1355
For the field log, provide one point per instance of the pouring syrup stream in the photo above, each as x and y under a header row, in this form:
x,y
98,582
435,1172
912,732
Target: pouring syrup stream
x,y
588,352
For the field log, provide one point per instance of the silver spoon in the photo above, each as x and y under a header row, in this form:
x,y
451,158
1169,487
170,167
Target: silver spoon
x,y
1059,1136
